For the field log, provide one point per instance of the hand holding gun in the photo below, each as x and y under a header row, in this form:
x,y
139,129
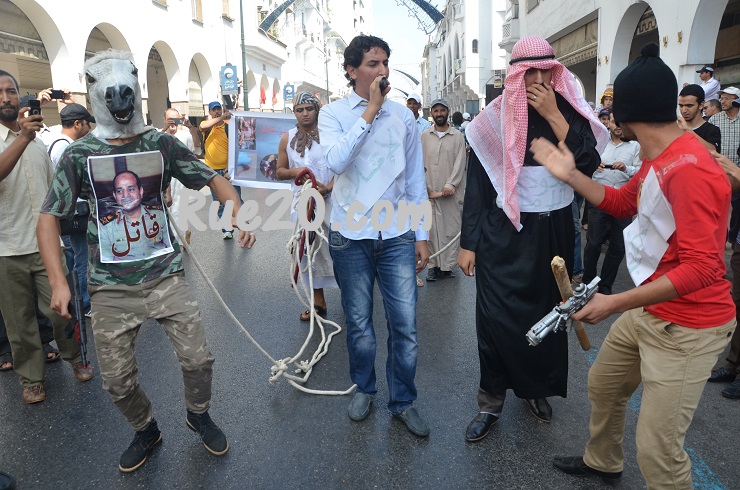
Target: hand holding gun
x,y
76,327
558,318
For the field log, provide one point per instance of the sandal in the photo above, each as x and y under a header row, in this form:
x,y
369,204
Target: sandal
x,y
306,315
52,354
6,362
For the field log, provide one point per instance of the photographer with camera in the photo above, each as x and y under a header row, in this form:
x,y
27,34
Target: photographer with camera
x,y
76,122
181,128
620,160
26,172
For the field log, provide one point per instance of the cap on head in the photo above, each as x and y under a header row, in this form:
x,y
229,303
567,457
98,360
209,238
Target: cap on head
x,y
213,105
466,116
75,112
416,97
604,112
731,91
441,102
646,90
708,69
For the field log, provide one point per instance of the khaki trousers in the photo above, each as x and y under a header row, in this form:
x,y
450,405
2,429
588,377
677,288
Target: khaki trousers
x,y
18,274
673,362
118,312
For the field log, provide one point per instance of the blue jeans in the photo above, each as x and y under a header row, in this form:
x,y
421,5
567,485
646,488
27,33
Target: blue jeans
x,y
357,263
577,256
215,197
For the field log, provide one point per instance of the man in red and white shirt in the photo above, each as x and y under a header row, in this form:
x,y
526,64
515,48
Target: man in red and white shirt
x,y
680,317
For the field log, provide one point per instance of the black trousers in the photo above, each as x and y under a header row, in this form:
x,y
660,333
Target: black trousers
x,y
603,226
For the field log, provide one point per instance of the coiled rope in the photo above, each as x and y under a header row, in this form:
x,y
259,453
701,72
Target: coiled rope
x,y
301,240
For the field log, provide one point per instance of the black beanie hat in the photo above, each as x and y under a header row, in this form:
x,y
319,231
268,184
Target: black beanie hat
x,y
645,91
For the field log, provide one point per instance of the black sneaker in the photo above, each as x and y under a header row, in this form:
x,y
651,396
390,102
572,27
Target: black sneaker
x,y
144,441
213,438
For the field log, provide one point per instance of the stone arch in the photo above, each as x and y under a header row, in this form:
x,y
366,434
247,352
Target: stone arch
x,y
253,91
200,85
704,30
624,36
47,29
164,82
112,35
264,95
276,96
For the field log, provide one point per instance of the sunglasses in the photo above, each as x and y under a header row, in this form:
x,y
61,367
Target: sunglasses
x,y
299,110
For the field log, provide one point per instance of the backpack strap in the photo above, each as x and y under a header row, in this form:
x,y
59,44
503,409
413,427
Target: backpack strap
x,y
51,146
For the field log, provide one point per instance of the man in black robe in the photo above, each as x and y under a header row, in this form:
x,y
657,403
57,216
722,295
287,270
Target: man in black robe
x,y
516,218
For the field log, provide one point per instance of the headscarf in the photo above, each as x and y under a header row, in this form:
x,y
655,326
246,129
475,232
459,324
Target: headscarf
x,y
498,135
302,140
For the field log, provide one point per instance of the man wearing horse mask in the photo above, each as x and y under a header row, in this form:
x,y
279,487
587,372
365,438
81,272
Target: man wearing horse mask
x,y
124,295
516,218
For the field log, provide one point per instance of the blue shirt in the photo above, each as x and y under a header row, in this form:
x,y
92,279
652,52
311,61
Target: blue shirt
x,y
343,133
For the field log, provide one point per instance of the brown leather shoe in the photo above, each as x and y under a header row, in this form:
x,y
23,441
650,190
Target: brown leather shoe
x,y
34,394
82,373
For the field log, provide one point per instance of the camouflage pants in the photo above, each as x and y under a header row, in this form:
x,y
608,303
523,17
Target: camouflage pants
x,y
117,314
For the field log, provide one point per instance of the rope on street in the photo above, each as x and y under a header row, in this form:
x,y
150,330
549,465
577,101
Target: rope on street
x,y
305,293
280,367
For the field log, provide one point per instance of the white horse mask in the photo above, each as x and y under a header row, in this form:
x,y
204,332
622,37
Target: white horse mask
x,y
115,95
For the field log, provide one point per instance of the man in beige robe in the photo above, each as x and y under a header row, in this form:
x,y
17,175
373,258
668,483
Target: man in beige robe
x,y
444,162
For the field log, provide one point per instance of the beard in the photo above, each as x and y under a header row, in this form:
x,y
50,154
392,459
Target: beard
x,y
440,121
8,116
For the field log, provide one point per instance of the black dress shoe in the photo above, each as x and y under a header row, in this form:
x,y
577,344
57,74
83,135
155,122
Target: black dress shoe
x,y
540,408
478,427
722,375
574,465
733,391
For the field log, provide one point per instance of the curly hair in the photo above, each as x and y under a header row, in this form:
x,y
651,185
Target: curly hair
x,y
356,50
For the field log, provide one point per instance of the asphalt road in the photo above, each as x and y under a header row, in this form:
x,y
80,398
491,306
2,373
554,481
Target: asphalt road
x,y
282,438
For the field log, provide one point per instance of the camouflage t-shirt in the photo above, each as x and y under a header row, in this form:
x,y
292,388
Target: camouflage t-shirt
x,y
72,180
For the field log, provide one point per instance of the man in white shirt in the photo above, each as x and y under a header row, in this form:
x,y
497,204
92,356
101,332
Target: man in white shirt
x,y
709,83
181,129
373,147
76,120
619,162
414,104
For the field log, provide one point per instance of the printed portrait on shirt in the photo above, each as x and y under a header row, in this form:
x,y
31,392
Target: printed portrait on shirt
x,y
132,221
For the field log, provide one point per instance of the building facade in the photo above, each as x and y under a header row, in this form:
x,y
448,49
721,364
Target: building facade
x,y
596,39
463,56
179,47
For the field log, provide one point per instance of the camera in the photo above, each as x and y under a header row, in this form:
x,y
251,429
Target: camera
x,y
35,107
177,120
608,165
57,94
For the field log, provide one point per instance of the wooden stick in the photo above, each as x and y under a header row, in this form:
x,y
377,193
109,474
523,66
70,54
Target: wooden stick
x,y
566,291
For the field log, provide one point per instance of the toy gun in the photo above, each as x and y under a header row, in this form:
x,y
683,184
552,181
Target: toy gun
x,y
558,318
76,327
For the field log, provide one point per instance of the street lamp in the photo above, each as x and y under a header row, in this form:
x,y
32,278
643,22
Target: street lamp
x,y
244,55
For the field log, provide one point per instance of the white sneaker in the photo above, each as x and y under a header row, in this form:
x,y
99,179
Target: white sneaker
x,y
228,235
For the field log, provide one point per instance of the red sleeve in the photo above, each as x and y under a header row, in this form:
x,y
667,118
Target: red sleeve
x,y
700,202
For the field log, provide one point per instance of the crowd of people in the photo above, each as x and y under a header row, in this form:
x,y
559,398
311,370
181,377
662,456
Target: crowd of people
x,y
504,189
